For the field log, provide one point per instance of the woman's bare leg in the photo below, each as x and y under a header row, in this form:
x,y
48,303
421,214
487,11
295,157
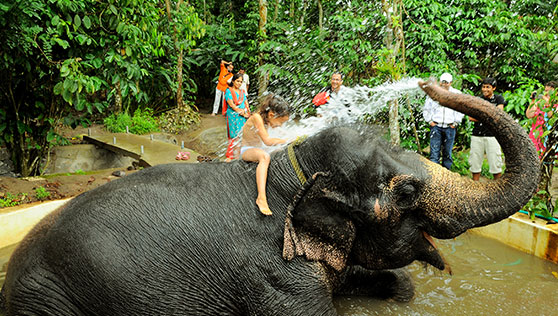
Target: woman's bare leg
x,y
263,159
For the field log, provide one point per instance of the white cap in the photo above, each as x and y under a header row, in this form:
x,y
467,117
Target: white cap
x,y
446,77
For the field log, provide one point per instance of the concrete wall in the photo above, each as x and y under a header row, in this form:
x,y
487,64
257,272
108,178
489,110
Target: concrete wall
x,y
531,236
15,224
84,157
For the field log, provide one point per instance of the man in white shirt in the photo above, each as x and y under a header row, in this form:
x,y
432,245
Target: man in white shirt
x,y
443,124
245,80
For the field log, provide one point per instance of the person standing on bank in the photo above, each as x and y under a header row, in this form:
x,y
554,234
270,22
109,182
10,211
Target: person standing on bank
x,y
245,80
482,140
443,122
539,109
225,74
336,91
238,111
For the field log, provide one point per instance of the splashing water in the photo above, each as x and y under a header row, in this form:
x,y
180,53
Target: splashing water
x,y
349,107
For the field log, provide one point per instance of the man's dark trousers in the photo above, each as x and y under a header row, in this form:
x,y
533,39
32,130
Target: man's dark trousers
x,y
441,140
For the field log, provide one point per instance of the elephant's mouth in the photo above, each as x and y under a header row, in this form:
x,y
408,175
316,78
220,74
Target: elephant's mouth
x,y
434,257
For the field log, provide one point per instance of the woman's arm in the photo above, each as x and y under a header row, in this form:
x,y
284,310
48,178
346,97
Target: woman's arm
x,y
242,112
262,132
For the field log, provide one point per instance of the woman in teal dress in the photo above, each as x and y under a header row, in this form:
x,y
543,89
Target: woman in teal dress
x,y
238,112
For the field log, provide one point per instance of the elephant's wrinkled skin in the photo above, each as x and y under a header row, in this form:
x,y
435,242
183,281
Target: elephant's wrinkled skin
x,y
188,239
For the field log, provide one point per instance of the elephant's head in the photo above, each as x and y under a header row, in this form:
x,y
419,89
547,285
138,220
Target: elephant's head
x,y
377,206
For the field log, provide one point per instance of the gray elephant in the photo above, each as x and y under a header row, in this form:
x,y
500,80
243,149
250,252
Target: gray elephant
x,y
185,239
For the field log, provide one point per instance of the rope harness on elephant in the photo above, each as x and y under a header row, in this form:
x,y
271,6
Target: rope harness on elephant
x,y
292,246
294,162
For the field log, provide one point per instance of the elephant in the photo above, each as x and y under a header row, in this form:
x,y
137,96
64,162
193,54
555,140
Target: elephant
x,y
350,211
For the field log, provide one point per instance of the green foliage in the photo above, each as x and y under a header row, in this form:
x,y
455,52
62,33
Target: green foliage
x,y
304,57
41,193
461,163
519,98
538,205
142,122
10,200
512,42
73,58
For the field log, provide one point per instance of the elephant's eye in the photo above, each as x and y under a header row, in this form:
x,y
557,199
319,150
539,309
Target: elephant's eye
x,y
407,189
404,191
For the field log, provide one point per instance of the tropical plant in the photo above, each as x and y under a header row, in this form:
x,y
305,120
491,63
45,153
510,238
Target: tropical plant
x,y
141,122
41,193
9,199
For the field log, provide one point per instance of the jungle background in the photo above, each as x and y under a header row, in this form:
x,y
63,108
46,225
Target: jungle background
x,y
153,64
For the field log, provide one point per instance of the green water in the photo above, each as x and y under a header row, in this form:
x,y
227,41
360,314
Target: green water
x,y
489,278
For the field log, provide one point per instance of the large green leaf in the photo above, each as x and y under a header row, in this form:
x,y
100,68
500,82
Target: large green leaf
x,y
77,21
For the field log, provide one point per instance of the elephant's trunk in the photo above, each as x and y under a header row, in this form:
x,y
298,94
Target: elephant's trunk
x,y
453,204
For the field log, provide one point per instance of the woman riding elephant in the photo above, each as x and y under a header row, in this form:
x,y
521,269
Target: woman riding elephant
x,y
353,208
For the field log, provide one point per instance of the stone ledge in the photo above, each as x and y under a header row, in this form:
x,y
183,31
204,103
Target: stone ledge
x,y
15,224
530,236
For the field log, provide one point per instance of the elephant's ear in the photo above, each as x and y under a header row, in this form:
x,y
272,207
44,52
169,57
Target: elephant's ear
x,y
318,227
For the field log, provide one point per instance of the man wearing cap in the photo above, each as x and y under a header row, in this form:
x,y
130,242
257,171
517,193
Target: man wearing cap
x,y
225,74
443,122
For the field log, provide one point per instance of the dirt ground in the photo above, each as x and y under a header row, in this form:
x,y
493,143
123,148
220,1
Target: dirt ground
x,y
23,190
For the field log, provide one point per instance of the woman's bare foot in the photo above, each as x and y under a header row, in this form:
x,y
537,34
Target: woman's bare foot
x,y
264,208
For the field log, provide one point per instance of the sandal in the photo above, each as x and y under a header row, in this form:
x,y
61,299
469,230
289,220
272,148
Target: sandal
x,y
185,155
178,156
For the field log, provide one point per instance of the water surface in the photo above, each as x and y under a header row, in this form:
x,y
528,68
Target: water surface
x,y
489,278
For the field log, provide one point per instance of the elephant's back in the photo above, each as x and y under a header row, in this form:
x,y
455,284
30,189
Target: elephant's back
x,y
169,222
170,203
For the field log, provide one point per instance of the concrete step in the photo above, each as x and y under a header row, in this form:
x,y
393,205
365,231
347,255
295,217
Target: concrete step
x,y
154,152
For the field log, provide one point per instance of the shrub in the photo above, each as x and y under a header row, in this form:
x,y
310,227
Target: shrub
x,y
142,122
538,205
10,200
41,193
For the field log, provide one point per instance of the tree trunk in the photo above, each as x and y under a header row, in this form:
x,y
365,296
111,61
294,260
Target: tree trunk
x,y
394,130
264,76
179,99
393,41
303,13
118,98
205,13
292,10
179,65
414,124
276,12
548,159
320,15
